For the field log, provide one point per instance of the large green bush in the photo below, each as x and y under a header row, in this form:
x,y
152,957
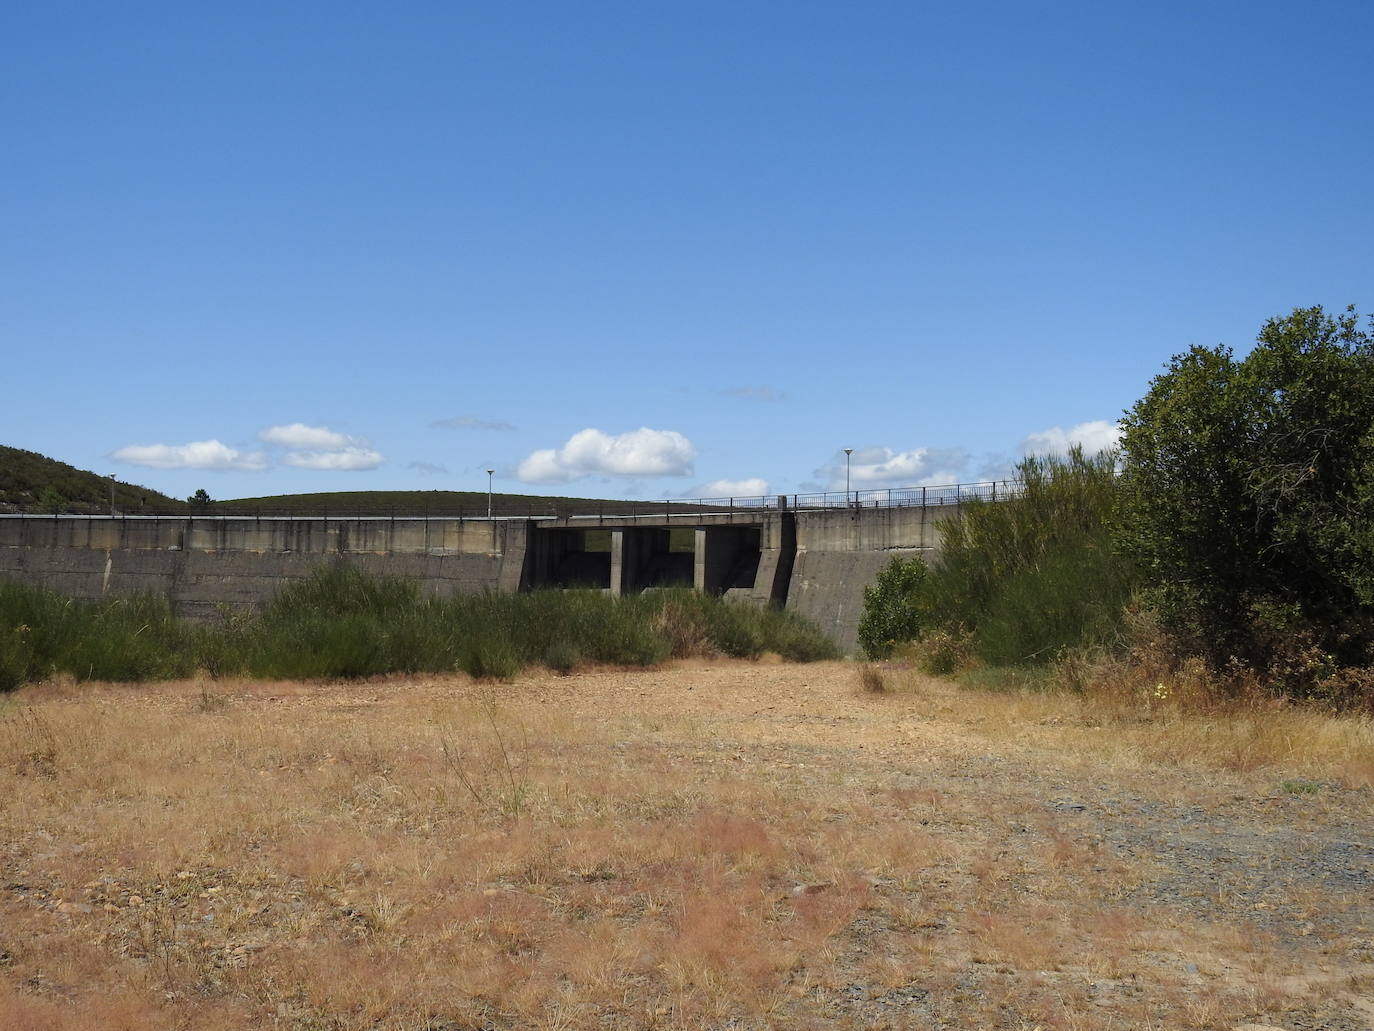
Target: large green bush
x,y
1248,487
892,607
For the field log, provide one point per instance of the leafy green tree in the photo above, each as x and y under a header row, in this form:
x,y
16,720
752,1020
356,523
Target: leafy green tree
x,y
891,607
1248,487
200,499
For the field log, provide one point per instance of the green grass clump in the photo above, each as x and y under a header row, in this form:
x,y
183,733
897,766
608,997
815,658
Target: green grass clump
x,y
342,623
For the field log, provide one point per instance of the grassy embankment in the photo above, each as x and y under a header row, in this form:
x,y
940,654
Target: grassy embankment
x,y
341,623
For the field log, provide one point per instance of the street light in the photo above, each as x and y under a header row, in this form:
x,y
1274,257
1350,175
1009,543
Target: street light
x,y
489,472
112,483
847,452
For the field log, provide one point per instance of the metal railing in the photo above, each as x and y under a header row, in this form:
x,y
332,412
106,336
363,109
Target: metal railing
x,y
883,497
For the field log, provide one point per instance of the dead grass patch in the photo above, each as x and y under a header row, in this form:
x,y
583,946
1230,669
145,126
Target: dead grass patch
x,y
709,844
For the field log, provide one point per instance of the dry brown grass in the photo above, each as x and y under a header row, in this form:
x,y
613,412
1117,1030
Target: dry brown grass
x,y
732,844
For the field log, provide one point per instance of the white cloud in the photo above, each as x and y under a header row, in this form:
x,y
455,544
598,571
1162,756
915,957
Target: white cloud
x,y
750,488
756,394
1092,437
872,467
427,468
299,435
471,422
319,447
641,452
199,454
348,459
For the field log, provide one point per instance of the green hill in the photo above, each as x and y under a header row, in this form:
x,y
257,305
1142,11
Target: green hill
x,y
433,502
30,482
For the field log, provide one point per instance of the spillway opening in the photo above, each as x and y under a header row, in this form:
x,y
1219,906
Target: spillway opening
x,y
571,559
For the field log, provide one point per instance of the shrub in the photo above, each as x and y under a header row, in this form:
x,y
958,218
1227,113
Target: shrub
x,y
313,646
1071,598
1247,485
944,650
795,639
871,680
892,607
1018,580
127,639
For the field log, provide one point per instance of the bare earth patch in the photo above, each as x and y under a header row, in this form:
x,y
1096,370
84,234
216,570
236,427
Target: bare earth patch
x,y
709,845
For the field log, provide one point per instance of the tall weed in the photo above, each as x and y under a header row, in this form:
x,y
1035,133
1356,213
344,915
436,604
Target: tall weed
x,y
1018,581
342,623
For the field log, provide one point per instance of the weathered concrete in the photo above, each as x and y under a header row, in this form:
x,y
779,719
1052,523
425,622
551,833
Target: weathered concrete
x,y
816,562
203,565
726,559
839,552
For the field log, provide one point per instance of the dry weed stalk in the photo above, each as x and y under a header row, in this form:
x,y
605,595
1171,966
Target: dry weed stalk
x,y
493,772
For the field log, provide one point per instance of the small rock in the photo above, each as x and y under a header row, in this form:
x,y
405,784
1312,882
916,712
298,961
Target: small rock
x,y
135,900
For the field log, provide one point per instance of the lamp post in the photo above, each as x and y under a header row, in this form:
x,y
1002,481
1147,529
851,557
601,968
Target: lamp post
x,y
847,452
112,483
489,472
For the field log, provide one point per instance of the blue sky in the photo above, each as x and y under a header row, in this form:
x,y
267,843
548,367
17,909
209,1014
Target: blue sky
x,y
650,250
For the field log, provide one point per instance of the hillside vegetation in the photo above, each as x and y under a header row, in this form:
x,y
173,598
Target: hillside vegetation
x,y
432,502
30,482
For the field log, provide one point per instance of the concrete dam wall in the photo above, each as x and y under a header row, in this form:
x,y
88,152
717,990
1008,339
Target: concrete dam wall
x,y
815,562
